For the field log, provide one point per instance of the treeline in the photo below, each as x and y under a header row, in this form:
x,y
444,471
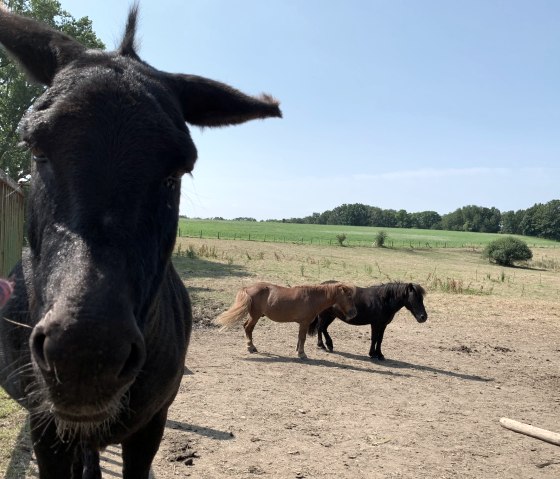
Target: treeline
x,y
541,220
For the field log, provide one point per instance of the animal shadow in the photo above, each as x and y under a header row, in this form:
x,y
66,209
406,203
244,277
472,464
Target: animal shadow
x,y
397,364
200,430
316,362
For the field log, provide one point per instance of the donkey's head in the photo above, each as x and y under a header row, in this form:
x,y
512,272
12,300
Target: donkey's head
x,y
110,144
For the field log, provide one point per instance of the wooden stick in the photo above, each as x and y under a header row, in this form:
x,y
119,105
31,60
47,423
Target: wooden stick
x,y
528,430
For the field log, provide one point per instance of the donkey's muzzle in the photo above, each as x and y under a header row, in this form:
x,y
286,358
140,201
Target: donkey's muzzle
x,y
87,363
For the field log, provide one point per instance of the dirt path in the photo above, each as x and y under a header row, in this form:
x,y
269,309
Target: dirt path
x,y
430,411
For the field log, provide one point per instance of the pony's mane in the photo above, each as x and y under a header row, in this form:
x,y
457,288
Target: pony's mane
x,y
128,45
398,288
327,286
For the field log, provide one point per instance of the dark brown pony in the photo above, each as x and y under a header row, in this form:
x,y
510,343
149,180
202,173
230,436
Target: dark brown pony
x,y
299,304
93,338
376,306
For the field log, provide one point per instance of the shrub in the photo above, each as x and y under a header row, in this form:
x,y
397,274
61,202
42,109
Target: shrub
x,y
505,251
341,238
380,239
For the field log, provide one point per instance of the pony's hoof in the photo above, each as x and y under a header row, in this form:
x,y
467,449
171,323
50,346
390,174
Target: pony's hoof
x,y
302,356
252,349
330,350
321,346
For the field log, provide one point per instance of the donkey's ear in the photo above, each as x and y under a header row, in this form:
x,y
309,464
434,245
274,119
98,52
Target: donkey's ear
x,y
39,49
207,102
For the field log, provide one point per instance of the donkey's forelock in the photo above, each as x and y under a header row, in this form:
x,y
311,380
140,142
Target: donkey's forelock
x,y
128,45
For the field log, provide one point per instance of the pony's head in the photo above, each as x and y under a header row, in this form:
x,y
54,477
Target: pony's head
x,y
345,300
414,301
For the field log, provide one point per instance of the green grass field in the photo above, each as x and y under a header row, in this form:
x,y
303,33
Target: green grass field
x,y
278,232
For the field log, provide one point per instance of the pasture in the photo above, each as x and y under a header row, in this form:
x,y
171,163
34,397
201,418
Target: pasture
x,y
490,348
277,232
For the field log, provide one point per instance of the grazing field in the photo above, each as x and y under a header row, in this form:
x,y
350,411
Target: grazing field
x,y
490,348
277,232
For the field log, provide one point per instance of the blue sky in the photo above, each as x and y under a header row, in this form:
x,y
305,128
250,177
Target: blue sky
x,y
402,104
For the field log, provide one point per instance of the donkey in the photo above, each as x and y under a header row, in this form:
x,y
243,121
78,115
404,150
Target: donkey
x,y
94,337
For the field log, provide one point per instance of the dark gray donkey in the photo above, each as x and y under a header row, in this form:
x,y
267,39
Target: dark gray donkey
x,y
94,337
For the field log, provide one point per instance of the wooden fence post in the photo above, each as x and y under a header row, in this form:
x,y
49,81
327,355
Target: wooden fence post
x,y
12,217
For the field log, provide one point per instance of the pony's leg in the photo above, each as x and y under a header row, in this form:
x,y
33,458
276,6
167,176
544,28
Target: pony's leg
x,y
323,325
320,343
301,339
248,326
379,341
373,341
377,332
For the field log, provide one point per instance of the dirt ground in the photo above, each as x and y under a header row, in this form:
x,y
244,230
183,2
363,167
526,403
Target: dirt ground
x,y
431,410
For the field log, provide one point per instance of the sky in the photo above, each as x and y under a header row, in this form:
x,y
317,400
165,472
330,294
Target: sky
x,y
400,104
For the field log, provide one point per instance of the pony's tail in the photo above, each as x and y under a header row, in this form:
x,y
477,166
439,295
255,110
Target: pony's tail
x,y
237,311
313,327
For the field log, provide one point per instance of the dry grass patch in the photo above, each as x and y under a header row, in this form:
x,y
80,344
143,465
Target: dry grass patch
x,y
234,264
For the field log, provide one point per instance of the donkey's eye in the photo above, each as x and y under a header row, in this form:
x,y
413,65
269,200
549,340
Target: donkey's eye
x,y
171,182
174,179
39,155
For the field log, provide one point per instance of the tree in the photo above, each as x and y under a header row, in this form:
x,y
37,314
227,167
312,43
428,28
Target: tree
x,y
505,251
403,219
425,220
549,226
350,215
511,221
473,218
17,93
542,220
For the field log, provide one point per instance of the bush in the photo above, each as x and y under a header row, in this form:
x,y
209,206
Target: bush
x,y
380,239
341,238
505,251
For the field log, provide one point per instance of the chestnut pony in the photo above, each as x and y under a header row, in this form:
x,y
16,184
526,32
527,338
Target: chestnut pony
x,y
298,304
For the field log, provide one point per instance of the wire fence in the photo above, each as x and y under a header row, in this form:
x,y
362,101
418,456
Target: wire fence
x,y
363,242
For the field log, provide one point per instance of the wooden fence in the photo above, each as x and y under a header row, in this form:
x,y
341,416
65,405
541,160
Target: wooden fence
x,y
11,223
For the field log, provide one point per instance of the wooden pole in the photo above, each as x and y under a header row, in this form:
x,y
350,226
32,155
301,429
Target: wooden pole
x,y
528,430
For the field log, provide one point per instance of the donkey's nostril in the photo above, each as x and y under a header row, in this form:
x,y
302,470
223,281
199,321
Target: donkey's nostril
x,y
38,339
133,363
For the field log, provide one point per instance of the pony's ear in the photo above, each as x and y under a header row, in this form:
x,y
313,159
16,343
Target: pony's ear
x,y
39,49
346,288
207,102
